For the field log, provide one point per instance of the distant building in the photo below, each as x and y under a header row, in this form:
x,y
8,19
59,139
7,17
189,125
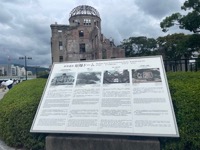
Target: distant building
x,y
29,73
7,70
2,71
82,38
22,71
13,70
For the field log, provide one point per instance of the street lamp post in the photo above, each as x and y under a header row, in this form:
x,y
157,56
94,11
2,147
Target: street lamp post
x,y
25,65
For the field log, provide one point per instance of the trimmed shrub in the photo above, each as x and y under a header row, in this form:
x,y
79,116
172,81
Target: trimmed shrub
x,y
17,110
185,92
19,105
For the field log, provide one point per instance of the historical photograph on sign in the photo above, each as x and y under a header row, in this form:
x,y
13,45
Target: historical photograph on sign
x,y
63,79
146,75
88,78
113,76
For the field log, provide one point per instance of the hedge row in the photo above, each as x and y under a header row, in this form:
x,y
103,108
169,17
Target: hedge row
x,y
18,107
17,110
185,91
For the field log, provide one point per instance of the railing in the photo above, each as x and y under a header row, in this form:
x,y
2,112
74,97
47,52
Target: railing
x,y
192,64
5,78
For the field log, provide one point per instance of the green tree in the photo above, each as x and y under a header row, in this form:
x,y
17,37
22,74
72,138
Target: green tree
x,y
43,74
174,46
194,42
190,21
139,46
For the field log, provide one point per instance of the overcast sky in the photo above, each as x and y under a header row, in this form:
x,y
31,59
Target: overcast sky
x,y
25,24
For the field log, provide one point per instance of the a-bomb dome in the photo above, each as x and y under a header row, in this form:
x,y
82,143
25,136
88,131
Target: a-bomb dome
x,y
84,10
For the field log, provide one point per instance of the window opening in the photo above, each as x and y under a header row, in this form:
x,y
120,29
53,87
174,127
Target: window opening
x,y
82,59
87,22
61,59
104,55
81,33
82,48
77,21
60,45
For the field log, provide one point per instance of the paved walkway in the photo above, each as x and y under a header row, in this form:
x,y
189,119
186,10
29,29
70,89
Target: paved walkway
x,y
3,146
2,93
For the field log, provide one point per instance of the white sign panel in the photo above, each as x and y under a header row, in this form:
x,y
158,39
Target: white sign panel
x,y
120,96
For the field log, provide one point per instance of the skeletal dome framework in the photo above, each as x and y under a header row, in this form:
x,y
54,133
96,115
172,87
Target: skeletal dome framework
x,y
84,10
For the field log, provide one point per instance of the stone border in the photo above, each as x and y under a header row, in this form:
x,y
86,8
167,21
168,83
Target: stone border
x,y
90,142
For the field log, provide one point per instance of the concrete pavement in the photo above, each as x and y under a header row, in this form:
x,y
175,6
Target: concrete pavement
x,y
3,146
2,93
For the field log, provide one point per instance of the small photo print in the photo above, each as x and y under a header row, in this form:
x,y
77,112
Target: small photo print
x,y
84,78
146,75
113,76
63,79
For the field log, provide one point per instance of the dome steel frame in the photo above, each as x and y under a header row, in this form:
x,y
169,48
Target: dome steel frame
x,y
84,10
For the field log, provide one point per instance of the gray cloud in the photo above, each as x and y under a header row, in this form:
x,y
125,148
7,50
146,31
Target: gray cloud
x,y
158,8
25,24
27,34
15,1
5,15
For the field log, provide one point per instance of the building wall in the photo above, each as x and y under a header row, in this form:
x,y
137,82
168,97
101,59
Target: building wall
x,y
83,31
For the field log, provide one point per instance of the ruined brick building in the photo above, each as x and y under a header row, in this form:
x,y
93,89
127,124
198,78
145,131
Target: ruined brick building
x,y
82,38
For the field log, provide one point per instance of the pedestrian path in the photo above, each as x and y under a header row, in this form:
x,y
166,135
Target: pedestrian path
x,y
3,146
2,93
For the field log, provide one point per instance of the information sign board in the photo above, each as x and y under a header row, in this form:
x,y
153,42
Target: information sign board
x,y
118,96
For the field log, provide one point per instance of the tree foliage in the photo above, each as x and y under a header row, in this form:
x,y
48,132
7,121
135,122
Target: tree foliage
x,y
139,46
194,42
174,46
43,74
190,21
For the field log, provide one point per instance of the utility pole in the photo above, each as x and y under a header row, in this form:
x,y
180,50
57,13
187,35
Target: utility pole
x,y
25,65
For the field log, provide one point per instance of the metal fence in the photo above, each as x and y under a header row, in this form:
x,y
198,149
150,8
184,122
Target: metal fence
x,y
192,64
